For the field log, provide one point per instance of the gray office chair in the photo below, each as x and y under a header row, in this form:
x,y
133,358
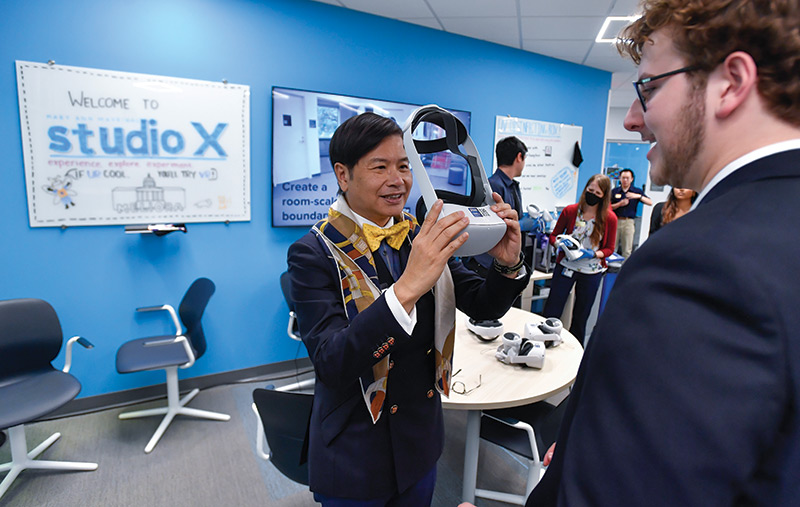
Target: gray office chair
x,y
292,331
528,431
170,353
283,419
286,288
30,388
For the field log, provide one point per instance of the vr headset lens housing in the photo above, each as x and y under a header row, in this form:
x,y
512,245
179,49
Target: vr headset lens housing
x,y
485,228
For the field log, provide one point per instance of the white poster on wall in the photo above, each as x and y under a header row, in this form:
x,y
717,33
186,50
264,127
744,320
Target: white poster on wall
x,y
104,147
550,178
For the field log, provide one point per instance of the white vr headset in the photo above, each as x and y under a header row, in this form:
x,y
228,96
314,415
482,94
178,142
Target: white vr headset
x,y
518,350
535,212
547,332
485,228
485,330
570,246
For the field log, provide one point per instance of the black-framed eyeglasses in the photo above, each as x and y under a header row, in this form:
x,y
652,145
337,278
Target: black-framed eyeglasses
x,y
644,93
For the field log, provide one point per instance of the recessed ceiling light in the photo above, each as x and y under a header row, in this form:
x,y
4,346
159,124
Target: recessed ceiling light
x,y
613,25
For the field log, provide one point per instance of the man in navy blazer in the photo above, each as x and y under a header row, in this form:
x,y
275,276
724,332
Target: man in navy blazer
x,y
354,460
689,390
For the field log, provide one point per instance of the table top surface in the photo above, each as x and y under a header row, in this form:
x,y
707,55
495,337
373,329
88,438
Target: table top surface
x,y
540,275
503,385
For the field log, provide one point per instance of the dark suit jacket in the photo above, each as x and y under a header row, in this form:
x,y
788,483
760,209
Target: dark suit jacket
x,y
695,400
348,455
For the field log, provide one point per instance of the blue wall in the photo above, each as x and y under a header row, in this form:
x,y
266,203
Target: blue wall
x,y
96,276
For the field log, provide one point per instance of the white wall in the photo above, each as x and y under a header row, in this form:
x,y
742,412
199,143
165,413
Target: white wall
x,y
614,129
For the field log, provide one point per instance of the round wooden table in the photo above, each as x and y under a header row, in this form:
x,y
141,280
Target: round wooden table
x,y
503,385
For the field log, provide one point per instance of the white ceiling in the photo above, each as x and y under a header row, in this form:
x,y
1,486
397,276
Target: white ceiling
x,y
563,29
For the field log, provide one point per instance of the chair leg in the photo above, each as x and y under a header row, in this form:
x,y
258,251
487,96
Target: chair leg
x,y
204,414
298,386
143,413
21,459
535,472
175,406
159,431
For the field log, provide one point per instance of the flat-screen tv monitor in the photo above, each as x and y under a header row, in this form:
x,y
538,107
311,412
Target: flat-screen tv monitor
x,y
303,182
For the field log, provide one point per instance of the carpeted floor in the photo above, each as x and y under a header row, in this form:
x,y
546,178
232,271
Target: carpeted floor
x,y
203,463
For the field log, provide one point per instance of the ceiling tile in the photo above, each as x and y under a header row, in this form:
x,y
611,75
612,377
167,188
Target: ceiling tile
x,y
390,9
561,28
603,50
565,7
470,8
427,22
605,56
500,30
625,8
624,79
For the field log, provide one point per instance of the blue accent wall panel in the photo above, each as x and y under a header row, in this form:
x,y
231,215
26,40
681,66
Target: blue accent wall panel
x,y
96,276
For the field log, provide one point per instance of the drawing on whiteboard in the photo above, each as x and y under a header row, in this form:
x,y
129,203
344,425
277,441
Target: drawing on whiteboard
x,y
549,179
61,188
562,181
148,198
205,203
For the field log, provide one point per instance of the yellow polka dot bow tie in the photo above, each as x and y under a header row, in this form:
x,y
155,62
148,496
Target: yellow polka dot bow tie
x,y
394,235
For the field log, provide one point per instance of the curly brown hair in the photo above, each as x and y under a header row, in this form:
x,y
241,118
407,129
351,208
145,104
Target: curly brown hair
x,y
705,32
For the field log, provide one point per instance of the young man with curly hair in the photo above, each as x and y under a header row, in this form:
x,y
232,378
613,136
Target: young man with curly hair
x,y
695,399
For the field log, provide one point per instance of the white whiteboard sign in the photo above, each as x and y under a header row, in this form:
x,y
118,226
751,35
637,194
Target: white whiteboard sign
x,y
104,147
549,178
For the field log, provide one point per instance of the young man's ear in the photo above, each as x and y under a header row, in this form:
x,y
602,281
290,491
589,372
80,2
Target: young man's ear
x,y
735,79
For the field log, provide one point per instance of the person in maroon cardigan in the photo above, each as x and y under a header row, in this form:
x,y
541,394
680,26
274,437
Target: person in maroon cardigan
x,y
592,223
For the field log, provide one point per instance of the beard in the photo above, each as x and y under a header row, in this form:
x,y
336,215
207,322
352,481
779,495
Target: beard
x,y
678,160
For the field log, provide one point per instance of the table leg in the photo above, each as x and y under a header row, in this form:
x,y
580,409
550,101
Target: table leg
x,y
471,441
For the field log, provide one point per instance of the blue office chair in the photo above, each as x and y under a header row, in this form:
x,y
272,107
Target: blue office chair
x,y
30,338
170,353
283,419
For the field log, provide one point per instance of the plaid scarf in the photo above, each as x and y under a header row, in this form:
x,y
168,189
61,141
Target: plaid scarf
x,y
344,239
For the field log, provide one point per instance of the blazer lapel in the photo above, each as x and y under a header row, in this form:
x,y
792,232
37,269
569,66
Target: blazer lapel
x,y
785,164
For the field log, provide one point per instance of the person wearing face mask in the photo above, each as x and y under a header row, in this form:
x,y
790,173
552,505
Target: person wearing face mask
x,y
592,223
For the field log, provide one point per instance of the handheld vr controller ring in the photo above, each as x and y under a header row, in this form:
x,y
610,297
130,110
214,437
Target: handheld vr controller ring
x,y
485,229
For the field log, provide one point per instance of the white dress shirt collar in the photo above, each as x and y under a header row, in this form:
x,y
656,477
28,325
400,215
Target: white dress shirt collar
x,y
792,144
